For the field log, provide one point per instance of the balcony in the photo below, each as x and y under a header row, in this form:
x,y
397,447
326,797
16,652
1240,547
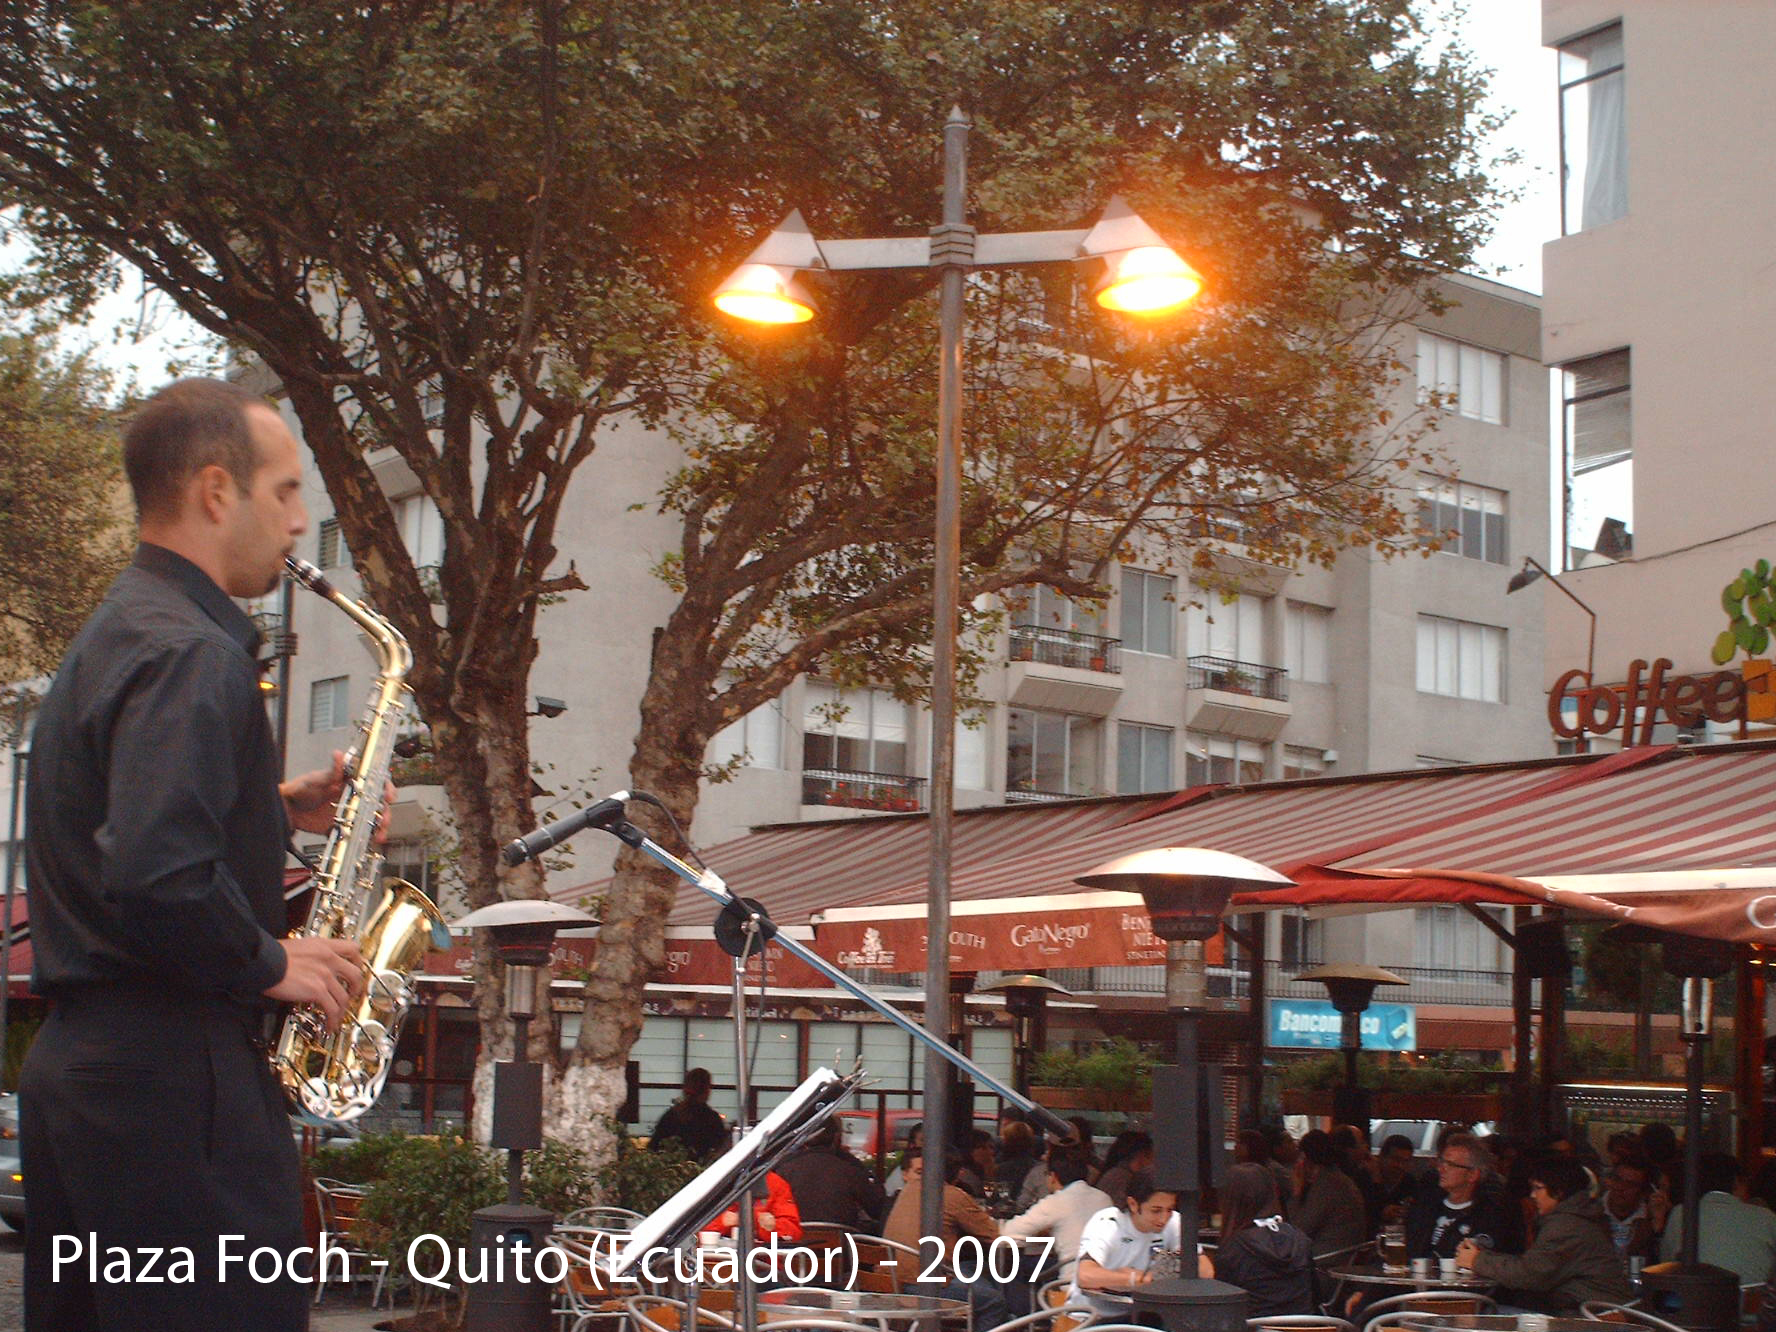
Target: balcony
x,y
1243,699
1025,797
885,792
1062,671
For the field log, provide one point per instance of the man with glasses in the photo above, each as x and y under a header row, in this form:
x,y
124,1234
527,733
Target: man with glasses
x,y
1469,1203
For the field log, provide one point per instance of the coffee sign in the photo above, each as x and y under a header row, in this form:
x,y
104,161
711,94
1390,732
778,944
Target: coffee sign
x,y
1684,700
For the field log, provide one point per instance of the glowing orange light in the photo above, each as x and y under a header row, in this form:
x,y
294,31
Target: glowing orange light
x,y
764,294
1148,280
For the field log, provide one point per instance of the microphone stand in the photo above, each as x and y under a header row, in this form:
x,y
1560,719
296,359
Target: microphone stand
x,y
756,921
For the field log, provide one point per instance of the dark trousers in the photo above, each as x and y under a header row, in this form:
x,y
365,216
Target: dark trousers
x,y
150,1120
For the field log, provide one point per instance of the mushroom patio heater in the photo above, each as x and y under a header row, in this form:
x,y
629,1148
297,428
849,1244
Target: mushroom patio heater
x,y
1186,890
1350,986
523,936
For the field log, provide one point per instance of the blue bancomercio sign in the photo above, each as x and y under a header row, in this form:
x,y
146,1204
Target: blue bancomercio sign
x,y
1313,1024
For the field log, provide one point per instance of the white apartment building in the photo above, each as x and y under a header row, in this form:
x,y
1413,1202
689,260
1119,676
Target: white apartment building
x,y
1657,314
1374,664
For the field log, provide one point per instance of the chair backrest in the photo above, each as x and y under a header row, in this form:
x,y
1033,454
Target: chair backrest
x,y
1604,1311
1068,1317
1043,1320
661,1313
1395,1310
338,1205
1301,1323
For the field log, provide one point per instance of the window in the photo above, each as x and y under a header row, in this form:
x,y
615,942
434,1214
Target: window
x,y
1593,134
1469,380
1460,659
1435,761
1048,609
1300,761
854,730
755,739
422,529
1307,635
1231,630
1149,605
1596,394
328,703
1448,937
1143,758
1464,519
330,551
1052,753
1303,941
1214,759
972,746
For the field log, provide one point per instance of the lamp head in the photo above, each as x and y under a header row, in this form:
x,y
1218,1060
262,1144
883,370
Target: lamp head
x,y
524,929
1350,985
1186,888
1024,995
767,288
1523,577
1143,275
550,707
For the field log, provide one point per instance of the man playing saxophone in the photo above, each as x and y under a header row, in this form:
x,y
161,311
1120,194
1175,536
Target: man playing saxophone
x,y
150,1120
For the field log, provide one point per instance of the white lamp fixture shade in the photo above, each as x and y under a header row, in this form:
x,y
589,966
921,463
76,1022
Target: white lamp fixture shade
x,y
1149,280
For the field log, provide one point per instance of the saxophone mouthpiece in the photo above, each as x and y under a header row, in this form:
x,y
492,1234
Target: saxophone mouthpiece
x,y
309,576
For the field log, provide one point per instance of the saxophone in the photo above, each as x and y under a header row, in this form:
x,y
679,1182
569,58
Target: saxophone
x,y
333,1077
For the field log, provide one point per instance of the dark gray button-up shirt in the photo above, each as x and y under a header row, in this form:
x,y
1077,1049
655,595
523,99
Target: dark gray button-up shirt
x,y
156,831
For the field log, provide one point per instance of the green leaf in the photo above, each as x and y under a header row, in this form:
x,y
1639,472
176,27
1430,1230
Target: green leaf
x,y
1760,639
1724,647
1731,601
1745,634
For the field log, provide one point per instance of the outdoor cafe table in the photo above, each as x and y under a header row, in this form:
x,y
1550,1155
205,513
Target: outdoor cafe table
x,y
926,1313
1402,1278
1501,1323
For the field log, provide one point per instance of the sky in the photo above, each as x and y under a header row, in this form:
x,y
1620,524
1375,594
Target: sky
x,y
139,336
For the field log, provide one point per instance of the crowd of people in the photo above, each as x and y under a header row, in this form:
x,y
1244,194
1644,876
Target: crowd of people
x,y
1550,1225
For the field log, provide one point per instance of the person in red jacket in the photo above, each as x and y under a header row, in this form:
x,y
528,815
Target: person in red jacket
x,y
774,1212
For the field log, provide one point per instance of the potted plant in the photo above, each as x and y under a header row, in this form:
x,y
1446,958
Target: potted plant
x,y
1114,1076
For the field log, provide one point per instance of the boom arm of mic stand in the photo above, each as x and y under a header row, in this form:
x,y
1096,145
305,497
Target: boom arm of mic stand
x,y
709,882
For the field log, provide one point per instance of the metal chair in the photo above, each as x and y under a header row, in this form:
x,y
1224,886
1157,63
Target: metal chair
x,y
1386,1311
900,1261
662,1313
338,1204
1604,1311
1071,1314
1053,1316
615,1220
1301,1322
588,1295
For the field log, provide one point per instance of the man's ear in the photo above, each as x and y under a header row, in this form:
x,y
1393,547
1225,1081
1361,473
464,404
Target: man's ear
x,y
212,492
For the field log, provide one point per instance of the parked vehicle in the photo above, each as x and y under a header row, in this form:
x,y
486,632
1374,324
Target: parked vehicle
x,y
858,1129
1423,1132
12,1179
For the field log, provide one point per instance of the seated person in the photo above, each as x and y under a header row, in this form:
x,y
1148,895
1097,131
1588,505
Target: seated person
x,y
1468,1202
1260,1252
1064,1212
962,1215
832,1185
1117,1245
1573,1258
1328,1206
774,1212
1735,1234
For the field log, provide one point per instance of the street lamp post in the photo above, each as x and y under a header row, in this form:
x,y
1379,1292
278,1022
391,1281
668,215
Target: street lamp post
x,y
1026,999
1350,986
518,1300
1143,276
1532,570
1186,890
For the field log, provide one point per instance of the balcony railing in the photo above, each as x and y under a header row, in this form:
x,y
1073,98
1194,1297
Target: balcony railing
x,y
1064,647
889,791
1016,797
1239,677
1425,985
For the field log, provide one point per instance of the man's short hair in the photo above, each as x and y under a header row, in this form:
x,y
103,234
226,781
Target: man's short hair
x,y
698,1082
1018,1138
1478,1156
1141,1187
1718,1172
1562,1176
1069,1165
187,426
1395,1141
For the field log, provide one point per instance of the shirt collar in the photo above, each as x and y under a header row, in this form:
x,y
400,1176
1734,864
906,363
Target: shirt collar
x,y
202,589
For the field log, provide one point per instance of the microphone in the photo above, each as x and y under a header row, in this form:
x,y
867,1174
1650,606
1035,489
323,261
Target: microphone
x,y
532,845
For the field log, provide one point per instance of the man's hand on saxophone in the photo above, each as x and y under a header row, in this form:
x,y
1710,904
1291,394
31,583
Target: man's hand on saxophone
x,y
328,973
310,798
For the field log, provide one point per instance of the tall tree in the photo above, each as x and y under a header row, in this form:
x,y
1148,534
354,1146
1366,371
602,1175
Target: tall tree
x,y
521,208
63,510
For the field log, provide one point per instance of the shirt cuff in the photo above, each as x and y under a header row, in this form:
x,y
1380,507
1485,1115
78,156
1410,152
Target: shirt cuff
x,y
264,970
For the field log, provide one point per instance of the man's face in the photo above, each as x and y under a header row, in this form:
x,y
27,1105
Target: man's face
x,y
1457,1174
1395,1162
261,527
1151,1216
913,1169
1626,1186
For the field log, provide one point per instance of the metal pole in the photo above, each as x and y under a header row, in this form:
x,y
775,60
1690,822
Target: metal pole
x,y
514,1155
19,758
1698,998
286,648
743,1227
952,247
